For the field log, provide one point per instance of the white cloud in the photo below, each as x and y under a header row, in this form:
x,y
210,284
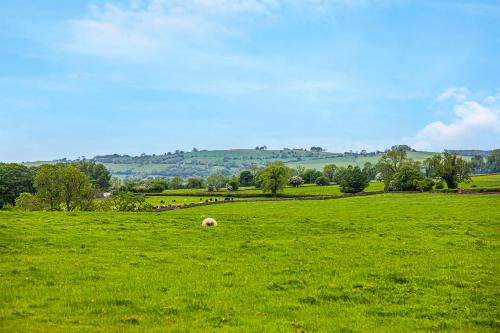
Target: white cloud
x,y
145,30
456,93
474,122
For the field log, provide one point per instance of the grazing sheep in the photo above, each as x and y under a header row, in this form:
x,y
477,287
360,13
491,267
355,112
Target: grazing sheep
x,y
209,222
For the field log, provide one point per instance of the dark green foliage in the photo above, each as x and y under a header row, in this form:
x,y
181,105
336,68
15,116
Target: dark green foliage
x,y
14,180
493,161
98,173
195,182
406,179
425,185
440,184
234,183
309,176
351,179
156,185
451,168
322,181
246,178
370,170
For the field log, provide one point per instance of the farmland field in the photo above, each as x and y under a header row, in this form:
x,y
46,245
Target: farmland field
x,y
391,262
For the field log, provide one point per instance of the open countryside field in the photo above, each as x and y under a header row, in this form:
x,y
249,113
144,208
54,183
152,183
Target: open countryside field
x,y
391,262
482,181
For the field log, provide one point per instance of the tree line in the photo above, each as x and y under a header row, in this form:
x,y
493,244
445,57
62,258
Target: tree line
x,y
75,186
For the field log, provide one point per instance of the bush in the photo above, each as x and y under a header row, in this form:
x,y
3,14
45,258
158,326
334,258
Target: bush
x,y
322,181
234,184
425,185
28,202
351,179
405,179
296,181
440,184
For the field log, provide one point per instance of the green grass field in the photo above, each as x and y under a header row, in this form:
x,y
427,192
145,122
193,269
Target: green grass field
x,y
484,181
391,262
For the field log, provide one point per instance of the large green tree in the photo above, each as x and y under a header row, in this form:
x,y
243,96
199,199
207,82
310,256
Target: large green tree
x,y
246,178
76,188
14,180
493,161
329,171
273,177
48,186
450,167
391,162
216,180
98,173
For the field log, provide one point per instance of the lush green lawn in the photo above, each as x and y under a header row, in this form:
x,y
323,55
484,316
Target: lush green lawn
x,y
483,181
392,262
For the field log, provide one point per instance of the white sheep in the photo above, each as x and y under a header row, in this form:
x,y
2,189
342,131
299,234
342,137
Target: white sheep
x,y
209,222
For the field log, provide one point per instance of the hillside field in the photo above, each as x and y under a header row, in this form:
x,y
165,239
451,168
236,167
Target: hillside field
x,y
382,263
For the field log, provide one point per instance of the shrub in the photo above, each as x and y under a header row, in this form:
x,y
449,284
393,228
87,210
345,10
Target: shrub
x,y
425,185
234,183
296,181
351,179
28,202
322,181
440,184
405,179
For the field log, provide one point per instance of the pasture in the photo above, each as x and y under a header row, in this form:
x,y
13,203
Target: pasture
x,y
391,262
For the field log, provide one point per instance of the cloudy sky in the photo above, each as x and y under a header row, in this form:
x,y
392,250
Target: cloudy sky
x,y
87,77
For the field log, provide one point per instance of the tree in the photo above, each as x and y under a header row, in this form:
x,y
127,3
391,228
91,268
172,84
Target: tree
x,y
406,179
370,170
76,188
48,186
478,165
98,173
234,183
493,161
322,181
128,201
451,168
217,180
296,181
329,171
310,176
351,179
175,183
246,178
14,180
156,185
273,177
391,162
254,168
195,182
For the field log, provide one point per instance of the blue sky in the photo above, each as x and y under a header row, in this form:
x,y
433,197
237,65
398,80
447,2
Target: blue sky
x,y
88,77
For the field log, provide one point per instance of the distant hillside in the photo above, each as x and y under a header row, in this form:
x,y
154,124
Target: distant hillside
x,y
202,163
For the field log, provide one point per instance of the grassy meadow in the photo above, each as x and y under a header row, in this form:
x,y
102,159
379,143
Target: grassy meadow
x,y
391,262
